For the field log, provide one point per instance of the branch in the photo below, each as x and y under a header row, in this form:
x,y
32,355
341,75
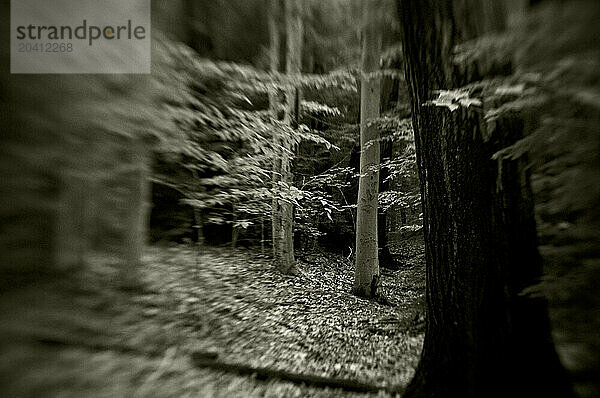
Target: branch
x,y
202,360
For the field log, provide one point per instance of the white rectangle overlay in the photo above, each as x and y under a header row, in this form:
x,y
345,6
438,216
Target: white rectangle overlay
x,y
80,36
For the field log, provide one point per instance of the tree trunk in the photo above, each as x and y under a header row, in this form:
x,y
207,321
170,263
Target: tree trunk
x,y
136,220
483,338
293,67
367,263
277,232
72,237
283,215
198,212
385,259
235,231
199,226
262,236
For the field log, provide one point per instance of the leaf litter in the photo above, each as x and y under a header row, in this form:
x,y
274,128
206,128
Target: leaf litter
x,y
87,337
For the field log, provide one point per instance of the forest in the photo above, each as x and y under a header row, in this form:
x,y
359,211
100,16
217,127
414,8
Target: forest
x,y
391,198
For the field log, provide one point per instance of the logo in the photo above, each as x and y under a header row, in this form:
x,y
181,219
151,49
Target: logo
x,y
83,32
80,36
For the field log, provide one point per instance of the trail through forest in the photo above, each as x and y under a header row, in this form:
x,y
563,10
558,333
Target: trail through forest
x,y
231,303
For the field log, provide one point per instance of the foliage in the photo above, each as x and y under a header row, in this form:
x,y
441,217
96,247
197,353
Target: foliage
x,y
318,202
553,86
222,139
547,73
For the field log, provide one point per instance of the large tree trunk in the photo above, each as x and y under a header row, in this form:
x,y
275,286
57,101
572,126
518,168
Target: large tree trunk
x,y
483,338
367,263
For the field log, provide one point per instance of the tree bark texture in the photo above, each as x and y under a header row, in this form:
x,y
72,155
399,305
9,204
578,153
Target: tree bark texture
x,y
283,221
367,263
483,337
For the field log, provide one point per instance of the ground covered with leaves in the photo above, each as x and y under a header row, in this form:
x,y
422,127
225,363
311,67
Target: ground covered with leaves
x,y
87,336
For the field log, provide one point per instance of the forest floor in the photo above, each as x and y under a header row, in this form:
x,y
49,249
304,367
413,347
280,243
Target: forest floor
x,y
86,336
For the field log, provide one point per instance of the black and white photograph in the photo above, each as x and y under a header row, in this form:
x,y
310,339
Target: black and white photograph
x,y
300,198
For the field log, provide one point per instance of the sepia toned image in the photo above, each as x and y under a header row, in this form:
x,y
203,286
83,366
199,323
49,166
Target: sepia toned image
x,y
300,198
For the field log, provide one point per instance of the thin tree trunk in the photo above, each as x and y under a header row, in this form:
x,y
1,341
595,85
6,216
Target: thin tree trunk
x,y
137,215
483,338
293,67
198,216
72,237
262,236
367,262
276,235
234,229
284,222
199,226
385,259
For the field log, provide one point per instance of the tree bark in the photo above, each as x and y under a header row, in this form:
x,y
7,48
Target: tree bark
x,y
235,231
199,226
385,259
367,262
276,211
283,212
483,338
